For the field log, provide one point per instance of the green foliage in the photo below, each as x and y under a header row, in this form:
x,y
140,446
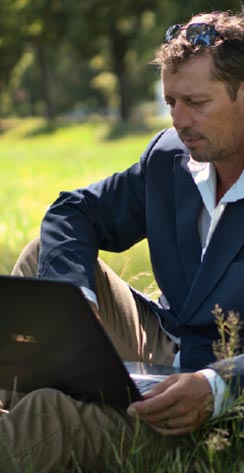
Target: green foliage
x,y
63,37
228,328
11,44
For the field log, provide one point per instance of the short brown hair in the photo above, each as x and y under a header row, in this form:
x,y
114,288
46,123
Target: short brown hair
x,y
227,51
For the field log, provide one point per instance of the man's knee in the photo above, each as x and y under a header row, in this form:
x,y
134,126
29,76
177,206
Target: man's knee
x,y
27,262
48,400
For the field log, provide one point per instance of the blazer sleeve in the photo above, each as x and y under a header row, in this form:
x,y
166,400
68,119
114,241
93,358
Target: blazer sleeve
x,y
232,372
108,215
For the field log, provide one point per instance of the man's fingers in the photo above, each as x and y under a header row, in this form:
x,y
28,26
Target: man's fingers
x,y
192,418
177,425
161,387
181,409
177,414
174,431
159,399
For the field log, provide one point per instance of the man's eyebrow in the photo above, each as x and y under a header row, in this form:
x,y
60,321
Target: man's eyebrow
x,y
198,95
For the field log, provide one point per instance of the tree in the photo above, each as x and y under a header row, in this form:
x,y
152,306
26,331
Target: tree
x,y
45,24
111,29
11,45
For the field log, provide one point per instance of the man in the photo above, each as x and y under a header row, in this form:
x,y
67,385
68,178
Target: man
x,y
186,196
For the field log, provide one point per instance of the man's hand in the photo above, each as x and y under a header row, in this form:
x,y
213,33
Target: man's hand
x,y
176,406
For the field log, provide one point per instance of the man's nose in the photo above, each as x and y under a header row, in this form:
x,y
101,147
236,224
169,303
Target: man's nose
x,y
181,116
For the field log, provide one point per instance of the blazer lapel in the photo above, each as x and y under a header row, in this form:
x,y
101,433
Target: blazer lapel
x,y
188,206
226,241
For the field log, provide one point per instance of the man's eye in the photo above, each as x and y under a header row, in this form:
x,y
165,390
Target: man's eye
x,y
170,104
196,103
169,101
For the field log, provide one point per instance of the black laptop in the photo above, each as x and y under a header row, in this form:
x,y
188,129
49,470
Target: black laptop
x,y
50,337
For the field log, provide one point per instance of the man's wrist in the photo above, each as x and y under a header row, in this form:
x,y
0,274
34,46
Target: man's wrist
x,y
220,391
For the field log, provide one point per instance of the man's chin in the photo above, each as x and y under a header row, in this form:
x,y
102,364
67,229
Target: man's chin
x,y
200,155
200,158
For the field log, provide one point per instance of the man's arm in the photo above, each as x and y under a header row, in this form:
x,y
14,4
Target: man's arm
x,y
107,215
231,371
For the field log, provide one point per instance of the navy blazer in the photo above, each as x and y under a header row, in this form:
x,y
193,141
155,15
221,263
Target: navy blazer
x,y
156,199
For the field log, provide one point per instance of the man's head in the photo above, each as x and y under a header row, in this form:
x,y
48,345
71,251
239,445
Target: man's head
x,y
203,76
220,34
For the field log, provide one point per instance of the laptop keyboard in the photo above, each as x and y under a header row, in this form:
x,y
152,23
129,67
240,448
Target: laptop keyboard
x,y
146,382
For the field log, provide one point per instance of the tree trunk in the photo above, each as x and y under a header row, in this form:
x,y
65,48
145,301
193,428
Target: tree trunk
x,y
119,50
46,78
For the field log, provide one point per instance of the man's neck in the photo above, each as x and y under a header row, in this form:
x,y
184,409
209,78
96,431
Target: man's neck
x,y
225,178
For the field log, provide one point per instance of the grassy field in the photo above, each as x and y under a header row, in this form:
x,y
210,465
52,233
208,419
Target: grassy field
x,y
38,162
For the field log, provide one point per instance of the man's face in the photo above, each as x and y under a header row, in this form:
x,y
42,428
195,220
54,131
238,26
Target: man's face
x,y
208,121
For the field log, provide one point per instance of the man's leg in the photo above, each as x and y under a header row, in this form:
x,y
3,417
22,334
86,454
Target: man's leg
x,y
46,431
99,434
130,322
26,264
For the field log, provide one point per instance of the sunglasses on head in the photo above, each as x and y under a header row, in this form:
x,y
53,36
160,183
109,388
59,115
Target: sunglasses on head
x,y
199,34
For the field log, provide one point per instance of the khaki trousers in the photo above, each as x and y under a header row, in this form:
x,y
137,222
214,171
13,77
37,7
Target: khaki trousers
x,y
50,430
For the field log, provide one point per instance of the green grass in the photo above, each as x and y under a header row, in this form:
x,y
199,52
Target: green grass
x,y
37,162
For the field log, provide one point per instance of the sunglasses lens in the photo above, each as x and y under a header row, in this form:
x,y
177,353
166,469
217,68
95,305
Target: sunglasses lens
x,y
172,33
200,34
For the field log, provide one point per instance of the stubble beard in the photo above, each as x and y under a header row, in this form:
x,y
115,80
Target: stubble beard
x,y
202,157
211,155
208,152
